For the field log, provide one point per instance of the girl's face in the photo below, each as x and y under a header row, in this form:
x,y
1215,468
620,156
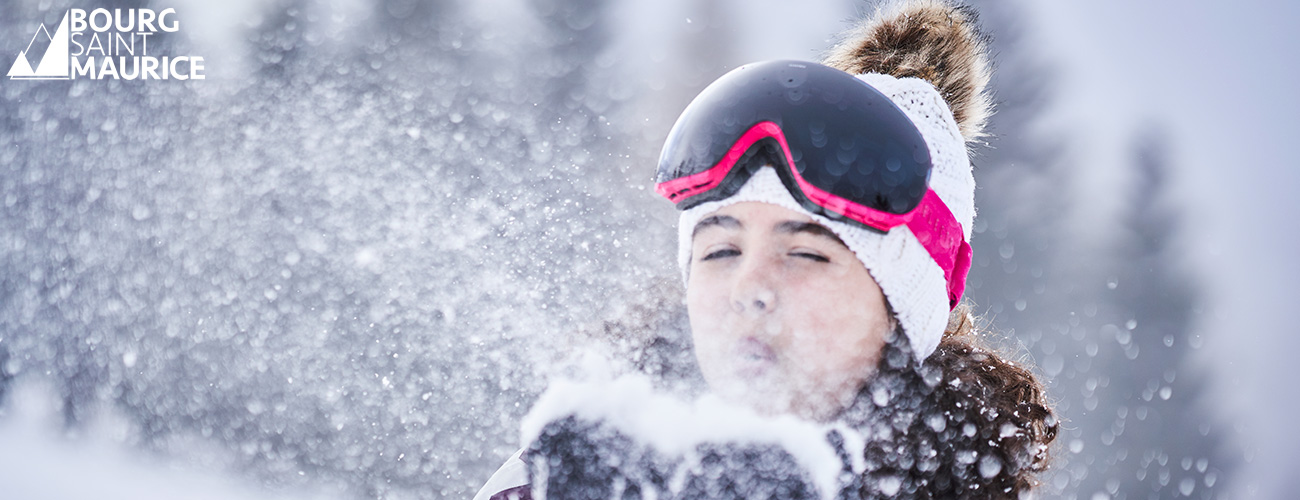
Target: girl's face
x,y
784,317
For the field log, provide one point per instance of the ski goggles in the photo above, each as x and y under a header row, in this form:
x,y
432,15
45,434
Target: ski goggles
x,y
842,149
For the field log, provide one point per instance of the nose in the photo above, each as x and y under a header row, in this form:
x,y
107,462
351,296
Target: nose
x,y
754,288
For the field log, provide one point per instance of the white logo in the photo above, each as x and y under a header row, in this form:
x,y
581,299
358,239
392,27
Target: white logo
x,y
53,64
101,45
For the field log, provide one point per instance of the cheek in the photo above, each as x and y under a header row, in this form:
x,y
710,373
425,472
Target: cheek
x,y
708,293
704,300
844,330
838,310
833,367
705,309
840,346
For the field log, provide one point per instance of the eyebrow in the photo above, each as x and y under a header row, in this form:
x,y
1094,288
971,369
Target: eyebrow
x,y
726,221
813,228
786,227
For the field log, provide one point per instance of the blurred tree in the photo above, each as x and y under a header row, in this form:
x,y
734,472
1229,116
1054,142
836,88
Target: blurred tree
x,y
1071,309
1019,177
1156,434
53,165
5,377
1023,269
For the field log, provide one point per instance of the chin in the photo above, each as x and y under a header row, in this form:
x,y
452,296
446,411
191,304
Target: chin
x,y
804,404
818,412
751,392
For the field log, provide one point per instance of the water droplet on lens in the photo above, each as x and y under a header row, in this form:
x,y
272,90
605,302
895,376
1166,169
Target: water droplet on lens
x,y
880,396
990,466
889,485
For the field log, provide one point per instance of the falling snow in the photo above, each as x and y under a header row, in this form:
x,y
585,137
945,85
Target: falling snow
x,y
348,263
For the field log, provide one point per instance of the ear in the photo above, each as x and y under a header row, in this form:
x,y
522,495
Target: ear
x,y
929,39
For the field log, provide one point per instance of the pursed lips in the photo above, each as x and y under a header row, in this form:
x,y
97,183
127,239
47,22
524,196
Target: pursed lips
x,y
754,356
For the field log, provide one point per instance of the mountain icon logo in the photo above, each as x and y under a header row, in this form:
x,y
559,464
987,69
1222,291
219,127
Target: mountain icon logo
x,y
54,64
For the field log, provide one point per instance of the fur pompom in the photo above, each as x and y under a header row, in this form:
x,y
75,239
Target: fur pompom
x,y
930,39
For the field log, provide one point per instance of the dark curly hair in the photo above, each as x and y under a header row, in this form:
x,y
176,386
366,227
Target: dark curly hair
x,y
965,423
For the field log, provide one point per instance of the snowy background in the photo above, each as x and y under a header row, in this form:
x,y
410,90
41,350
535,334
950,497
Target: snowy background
x,y
344,264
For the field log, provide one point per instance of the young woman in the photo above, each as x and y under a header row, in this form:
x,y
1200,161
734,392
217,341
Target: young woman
x,y
826,212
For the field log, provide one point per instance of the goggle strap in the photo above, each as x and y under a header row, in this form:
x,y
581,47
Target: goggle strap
x,y
939,232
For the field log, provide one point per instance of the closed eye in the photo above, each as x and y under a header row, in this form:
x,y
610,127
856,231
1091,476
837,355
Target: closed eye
x,y
726,252
811,256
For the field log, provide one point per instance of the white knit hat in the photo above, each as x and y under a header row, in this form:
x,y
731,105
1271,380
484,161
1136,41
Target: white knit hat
x,y
911,280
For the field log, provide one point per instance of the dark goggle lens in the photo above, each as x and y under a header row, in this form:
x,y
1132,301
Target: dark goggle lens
x,y
845,137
